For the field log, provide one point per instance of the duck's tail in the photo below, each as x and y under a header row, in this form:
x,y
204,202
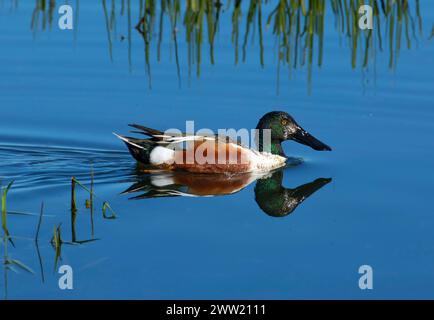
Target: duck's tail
x,y
140,149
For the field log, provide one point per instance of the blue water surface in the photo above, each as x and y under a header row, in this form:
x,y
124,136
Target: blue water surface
x,y
61,97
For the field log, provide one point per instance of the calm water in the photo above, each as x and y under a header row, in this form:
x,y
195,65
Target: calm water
x,y
367,202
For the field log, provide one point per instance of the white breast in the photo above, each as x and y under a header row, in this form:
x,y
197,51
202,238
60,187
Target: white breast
x,y
264,161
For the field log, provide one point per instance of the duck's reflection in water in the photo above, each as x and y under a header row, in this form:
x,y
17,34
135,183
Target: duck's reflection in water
x,y
273,198
278,201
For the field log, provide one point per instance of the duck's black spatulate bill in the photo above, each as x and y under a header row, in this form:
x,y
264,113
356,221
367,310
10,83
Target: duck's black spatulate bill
x,y
304,137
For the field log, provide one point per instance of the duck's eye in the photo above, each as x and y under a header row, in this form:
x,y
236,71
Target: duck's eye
x,y
284,122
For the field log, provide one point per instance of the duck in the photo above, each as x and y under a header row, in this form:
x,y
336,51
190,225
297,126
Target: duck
x,y
220,154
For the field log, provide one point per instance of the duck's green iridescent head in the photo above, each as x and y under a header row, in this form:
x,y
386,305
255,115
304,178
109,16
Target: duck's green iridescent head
x,y
283,127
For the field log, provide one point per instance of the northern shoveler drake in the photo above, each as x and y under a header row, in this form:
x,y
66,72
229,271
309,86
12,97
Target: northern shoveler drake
x,y
158,150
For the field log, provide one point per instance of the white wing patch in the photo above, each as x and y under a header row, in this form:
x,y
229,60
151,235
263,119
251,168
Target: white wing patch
x,y
161,155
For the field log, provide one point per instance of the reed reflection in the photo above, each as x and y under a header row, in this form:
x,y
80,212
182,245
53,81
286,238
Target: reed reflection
x,y
296,26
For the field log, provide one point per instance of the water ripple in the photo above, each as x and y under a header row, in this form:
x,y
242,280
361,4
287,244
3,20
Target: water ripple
x,y
35,166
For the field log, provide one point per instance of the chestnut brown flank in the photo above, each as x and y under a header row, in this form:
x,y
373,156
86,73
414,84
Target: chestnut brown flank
x,y
216,158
